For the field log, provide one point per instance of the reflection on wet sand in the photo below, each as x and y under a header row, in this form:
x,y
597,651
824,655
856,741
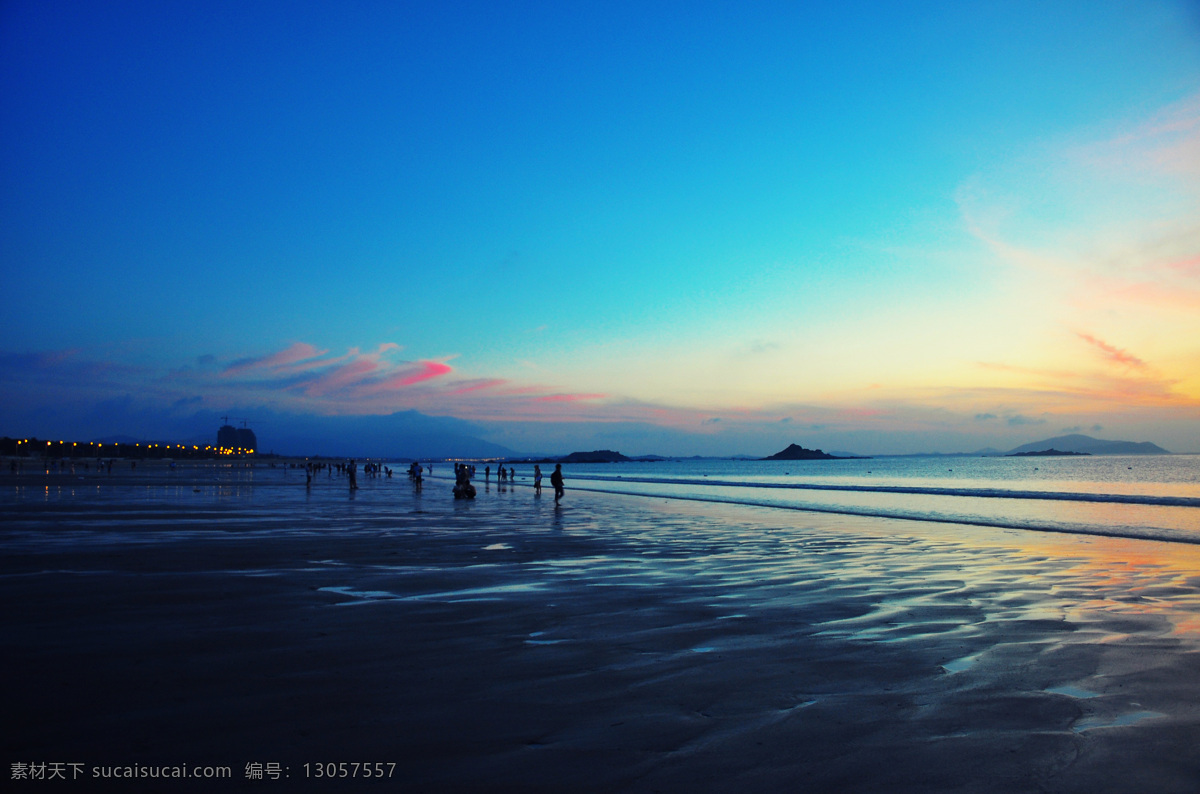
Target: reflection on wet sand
x,y
612,643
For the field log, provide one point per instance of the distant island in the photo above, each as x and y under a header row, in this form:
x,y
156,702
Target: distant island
x,y
1092,446
595,456
1045,453
797,452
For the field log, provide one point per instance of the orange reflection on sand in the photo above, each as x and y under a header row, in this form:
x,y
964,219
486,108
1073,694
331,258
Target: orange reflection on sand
x,y
1188,625
1130,576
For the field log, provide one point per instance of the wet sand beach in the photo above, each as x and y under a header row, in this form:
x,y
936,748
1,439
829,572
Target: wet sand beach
x,y
617,643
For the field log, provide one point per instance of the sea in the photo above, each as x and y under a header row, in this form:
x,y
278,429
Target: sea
x,y
1152,497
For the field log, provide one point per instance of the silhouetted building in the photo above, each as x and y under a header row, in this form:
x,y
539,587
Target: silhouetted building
x,y
227,437
246,439
236,439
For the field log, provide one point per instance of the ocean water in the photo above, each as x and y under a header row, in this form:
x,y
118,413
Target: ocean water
x,y
1146,497
1154,497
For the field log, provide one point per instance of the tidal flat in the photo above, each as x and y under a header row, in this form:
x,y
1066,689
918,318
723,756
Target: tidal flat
x,y
235,617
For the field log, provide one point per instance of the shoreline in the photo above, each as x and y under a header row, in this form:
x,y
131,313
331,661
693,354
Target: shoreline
x,y
611,644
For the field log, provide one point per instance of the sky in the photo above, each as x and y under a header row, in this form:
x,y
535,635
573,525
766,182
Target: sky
x,y
663,228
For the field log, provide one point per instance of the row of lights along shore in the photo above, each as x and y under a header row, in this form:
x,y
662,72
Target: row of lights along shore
x,y
99,445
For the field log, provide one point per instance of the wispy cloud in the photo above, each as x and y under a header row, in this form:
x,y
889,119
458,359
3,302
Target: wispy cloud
x,y
1168,142
381,382
337,380
1114,354
423,371
479,384
757,347
1103,238
297,352
304,377
568,398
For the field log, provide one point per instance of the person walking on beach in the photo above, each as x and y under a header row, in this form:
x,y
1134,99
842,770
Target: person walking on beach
x,y
557,481
537,480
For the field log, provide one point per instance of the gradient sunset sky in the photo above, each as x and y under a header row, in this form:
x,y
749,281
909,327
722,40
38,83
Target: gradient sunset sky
x,y
674,228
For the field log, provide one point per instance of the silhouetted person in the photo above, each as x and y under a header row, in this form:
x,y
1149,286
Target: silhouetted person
x,y
462,484
537,480
487,474
557,481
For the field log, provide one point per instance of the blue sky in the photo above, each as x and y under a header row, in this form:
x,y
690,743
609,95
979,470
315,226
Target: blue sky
x,y
675,223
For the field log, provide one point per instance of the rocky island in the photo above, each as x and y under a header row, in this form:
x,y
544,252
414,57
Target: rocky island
x,y
797,452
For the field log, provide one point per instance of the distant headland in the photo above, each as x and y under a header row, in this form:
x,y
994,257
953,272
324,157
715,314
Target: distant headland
x,y
1047,453
595,456
1086,444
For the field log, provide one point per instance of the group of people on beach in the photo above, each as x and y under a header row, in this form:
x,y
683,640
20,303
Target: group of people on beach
x,y
349,469
464,490
462,481
556,479
502,474
463,472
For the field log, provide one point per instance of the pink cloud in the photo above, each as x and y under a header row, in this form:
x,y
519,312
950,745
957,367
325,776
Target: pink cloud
x,y
308,365
1133,385
1112,353
340,377
302,369
298,351
521,390
478,385
426,370
568,398
1188,267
